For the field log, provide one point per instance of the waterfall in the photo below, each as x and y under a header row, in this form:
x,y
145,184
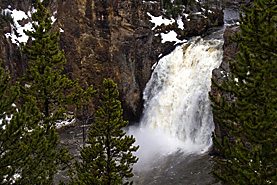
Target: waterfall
x,y
177,112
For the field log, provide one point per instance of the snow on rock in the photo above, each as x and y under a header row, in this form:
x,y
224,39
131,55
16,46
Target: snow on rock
x,y
18,16
158,21
170,36
53,19
180,23
152,2
17,35
64,123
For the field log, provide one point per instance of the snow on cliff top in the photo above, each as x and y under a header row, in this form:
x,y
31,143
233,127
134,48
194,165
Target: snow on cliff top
x,y
17,35
170,36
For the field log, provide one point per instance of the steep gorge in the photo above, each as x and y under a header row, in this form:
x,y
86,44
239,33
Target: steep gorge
x,y
105,39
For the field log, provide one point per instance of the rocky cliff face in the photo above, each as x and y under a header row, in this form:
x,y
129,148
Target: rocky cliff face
x,y
107,39
230,50
12,60
223,72
104,39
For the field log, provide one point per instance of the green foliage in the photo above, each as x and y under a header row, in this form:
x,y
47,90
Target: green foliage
x,y
107,158
45,3
44,80
28,139
174,9
250,119
27,154
44,94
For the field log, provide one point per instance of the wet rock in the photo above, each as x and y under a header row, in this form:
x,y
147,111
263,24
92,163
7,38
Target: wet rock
x,y
223,72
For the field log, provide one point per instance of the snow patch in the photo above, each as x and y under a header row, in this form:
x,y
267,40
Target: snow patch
x,y
180,23
15,177
17,34
64,123
53,19
170,37
8,119
151,2
158,21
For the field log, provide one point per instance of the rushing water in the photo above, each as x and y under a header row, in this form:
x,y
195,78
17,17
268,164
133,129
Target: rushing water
x,y
174,134
176,126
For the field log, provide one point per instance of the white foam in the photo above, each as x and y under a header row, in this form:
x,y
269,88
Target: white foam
x,y
177,114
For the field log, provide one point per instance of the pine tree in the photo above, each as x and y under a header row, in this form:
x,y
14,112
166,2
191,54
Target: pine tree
x,y
44,80
250,156
9,133
27,155
107,158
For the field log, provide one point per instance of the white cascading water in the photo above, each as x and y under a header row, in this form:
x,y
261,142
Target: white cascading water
x,y
177,113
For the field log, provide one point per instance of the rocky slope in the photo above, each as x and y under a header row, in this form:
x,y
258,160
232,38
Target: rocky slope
x,y
108,39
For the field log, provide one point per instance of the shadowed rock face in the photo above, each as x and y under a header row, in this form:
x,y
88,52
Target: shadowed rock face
x,y
222,73
12,60
230,50
106,39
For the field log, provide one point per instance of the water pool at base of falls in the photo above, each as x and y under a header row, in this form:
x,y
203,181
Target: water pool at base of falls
x,y
177,169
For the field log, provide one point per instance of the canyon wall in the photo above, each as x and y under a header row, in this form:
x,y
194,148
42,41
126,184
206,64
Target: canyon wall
x,y
107,39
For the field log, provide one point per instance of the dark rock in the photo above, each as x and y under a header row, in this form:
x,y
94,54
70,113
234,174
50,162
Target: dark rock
x,y
12,60
238,3
223,72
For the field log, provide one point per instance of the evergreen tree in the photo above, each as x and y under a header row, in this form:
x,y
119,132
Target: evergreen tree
x,y
107,158
44,80
45,3
27,155
250,157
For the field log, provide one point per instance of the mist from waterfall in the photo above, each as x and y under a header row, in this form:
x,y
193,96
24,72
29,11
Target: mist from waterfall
x,y
177,114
